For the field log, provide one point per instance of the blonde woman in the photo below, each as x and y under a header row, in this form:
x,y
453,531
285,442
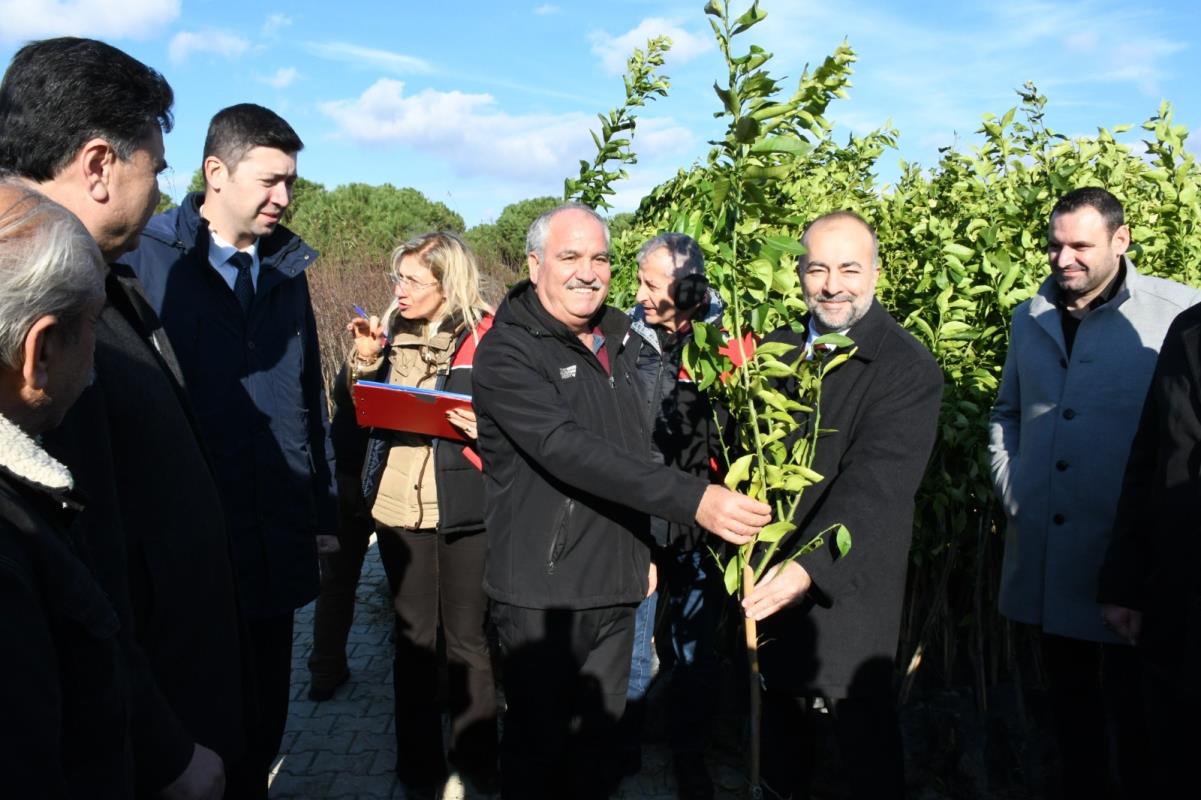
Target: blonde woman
x,y
427,500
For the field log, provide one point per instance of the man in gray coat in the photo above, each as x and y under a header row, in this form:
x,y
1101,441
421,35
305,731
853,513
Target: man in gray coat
x,y
1081,354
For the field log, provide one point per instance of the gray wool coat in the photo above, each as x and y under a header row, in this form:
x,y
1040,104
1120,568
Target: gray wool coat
x,y
1059,438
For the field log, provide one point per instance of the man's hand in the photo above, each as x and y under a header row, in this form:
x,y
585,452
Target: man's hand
x,y
652,580
732,516
1125,622
202,779
327,543
781,586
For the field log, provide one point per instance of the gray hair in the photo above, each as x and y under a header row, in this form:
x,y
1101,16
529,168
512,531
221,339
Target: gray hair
x,y
535,237
836,215
49,264
686,255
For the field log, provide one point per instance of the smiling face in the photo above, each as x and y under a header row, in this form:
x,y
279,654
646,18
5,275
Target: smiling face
x,y
246,201
1084,255
656,281
839,273
571,278
418,293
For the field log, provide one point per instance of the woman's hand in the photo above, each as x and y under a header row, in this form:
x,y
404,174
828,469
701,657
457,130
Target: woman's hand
x,y
464,420
369,338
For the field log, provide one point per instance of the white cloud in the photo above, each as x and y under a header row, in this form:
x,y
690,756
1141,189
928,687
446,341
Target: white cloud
x,y
656,137
275,23
105,19
226,45
282,79
546,8
386,60
469,131
613,51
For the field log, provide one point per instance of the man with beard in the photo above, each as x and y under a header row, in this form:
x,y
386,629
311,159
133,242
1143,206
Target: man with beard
x,y
832,619
1081,355
569,484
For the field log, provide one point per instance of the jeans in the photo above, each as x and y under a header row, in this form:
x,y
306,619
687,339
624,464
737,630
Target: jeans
x,y
693,592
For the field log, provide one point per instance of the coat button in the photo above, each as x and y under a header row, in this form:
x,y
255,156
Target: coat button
x,y
1061,465
1068,413
1058,519
250,345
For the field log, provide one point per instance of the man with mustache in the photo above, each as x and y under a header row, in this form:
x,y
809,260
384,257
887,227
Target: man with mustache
x,y
1081,355
228,282
569,483
833,618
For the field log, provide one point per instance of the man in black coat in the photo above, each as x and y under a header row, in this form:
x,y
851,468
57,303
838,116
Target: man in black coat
x,y
835,618
64,687
228,282
1149,589
569,483
82,122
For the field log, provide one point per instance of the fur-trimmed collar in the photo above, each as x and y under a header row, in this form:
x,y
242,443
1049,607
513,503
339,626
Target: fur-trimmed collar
x,y
24,457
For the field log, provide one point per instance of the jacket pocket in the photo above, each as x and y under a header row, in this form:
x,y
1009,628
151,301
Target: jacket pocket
x,y
559,539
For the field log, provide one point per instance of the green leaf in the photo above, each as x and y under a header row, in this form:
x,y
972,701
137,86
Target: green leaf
x,y
714,10
740,470
786,244
842,540
791,145
732,576
776,531
834,340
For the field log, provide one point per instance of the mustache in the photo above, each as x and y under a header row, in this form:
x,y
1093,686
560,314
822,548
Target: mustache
x,y
575,283
841,297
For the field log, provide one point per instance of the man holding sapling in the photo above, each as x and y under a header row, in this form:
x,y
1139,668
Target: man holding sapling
x,y
672,292
832,619
569,484
1081,355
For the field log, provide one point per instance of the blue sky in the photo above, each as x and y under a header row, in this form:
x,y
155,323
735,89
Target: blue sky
x,y
480,104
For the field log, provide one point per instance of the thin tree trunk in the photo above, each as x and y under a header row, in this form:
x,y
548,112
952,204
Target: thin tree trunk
x,y
752,654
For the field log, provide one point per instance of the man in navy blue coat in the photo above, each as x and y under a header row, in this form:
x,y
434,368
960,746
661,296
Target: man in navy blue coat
x,y
228,282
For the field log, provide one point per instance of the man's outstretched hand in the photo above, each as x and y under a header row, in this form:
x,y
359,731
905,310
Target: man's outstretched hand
x,y
732,516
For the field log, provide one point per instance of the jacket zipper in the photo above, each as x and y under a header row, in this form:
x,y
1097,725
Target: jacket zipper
x,y
560,531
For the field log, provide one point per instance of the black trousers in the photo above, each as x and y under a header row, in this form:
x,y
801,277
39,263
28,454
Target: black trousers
x,y
270,643
865,730
565,677
334,612
440,577
1175,740
1100,723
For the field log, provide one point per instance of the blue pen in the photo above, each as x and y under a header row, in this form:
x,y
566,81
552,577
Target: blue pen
x,y
359,310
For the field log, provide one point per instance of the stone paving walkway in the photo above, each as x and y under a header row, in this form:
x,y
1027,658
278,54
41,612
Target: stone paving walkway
x,y
345,747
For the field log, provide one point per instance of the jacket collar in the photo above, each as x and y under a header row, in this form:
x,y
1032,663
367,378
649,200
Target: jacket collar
x,y
23,457
868,334
185,228
522,307
1045,312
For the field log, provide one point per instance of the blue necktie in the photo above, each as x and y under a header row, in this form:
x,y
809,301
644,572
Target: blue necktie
x,y
243,284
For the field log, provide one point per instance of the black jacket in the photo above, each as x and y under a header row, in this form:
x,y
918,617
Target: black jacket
x,y
881,408
1153,559
679,415
154,534
63,683
568,477
459,486
255,382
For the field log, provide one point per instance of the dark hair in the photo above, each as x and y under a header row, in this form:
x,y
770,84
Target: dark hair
x,y
238,129
59,93
1108,206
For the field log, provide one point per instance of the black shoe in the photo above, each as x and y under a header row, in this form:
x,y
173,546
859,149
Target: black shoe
x,y
319,692
692,777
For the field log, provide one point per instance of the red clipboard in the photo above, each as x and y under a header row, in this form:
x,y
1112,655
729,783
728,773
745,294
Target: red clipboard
x,y
405,408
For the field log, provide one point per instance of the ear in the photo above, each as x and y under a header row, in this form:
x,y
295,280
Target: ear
x,y
532,260
1121,239
215,173
39,349
95,166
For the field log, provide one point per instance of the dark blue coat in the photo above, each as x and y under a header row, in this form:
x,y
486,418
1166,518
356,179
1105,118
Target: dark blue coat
x,y
255,383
